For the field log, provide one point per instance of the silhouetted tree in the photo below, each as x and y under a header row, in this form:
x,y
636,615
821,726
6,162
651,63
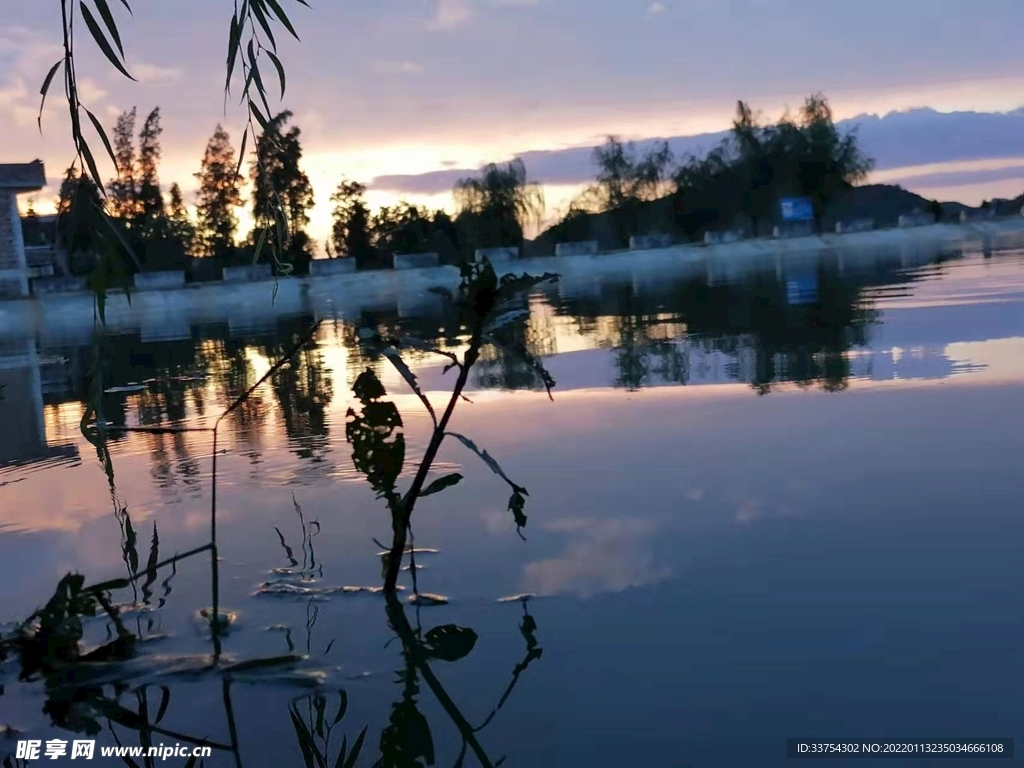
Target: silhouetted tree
x,y
496,207
219,194
754,170
150,198
706,192
31,230
280,184
745,174
625,176
123,192
827,162
350,230
179,223
405,228
625,181
78,196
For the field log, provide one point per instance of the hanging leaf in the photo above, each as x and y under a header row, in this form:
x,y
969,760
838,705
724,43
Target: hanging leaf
x,y
108,19
254,76
116,263
441,483
103,137
282,17
241,152
261,17
101,40
280,69
259,246
264,123
90,162
234,36
98,286
43,91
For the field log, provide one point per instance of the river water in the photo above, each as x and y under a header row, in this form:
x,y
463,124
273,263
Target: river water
x,y
762,504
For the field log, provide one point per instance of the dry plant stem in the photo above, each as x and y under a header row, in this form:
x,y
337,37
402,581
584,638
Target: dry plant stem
x,y
400,518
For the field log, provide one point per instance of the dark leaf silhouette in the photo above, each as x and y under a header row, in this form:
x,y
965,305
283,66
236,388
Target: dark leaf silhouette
x,y
516,504
449,642
108,19
396,360
377,451
441,483
44,90
101,40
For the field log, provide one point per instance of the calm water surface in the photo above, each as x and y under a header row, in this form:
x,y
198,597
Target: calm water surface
x,y
761,504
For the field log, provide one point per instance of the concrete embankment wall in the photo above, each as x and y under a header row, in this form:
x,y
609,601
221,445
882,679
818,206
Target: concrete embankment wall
x,y
251,304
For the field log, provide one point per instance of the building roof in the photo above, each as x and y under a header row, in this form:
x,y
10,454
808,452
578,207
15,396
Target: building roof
x,y
23,177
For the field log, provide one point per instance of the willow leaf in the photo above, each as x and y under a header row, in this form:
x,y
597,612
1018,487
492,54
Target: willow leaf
x,y
43,91
101,40
103,137
108,19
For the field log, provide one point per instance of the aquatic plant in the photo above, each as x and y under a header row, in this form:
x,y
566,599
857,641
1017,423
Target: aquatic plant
x,y
485,303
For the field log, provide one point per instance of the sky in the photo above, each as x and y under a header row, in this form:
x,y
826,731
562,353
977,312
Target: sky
x,y
391,90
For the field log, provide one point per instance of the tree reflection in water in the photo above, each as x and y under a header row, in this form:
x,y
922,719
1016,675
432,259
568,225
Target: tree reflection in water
x,y
87,688
113,684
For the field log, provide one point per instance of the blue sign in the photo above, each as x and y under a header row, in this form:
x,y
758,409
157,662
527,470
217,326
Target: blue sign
x,y
802,289
797,209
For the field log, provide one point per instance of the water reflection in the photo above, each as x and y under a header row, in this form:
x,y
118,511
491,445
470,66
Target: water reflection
x,y
808,322
103,680
125,670
50,646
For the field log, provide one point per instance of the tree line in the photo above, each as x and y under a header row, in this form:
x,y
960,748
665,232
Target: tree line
x,y
738,182
162,232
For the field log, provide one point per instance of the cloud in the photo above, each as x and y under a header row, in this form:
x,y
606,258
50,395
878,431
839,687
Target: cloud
x,y
898,140
397,68
602,556
150,74
451,14
25,58
27,50
90,91
959,178
422,183
655,8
